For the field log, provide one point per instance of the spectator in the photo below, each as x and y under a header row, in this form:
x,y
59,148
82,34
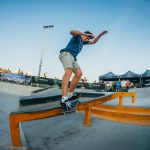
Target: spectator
x,y
114,86
123,85
45,75
107,86
95,81
132,85
142,84
127,85
118,86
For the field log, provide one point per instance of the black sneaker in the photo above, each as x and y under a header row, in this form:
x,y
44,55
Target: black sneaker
x,y
67,105
63,104
74,96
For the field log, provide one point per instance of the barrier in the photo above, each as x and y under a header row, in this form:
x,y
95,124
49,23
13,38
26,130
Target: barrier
x,y
124,114
87,106
22,116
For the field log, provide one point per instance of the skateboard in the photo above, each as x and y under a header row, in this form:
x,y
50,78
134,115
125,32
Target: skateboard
x,y
67,110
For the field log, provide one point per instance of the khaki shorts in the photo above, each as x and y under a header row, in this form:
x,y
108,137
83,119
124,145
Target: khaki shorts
x,y
68,61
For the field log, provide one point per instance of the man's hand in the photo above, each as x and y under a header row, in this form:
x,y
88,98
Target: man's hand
x,y
104,32
97,38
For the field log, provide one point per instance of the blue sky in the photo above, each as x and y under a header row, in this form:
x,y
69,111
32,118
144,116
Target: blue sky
x,y
125,47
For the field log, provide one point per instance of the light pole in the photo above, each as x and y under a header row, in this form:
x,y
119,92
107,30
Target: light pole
x,y
41,60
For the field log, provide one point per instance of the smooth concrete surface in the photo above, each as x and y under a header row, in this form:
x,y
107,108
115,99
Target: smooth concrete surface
x,y
46,93
16,89
68,132
142,98
56,91
8,103
141,92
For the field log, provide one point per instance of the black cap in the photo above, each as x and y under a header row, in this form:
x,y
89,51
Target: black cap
x,y
88,32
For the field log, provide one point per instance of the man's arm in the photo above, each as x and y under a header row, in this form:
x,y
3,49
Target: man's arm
x,y
97,38
75,33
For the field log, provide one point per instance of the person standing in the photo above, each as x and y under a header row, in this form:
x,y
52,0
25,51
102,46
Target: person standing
x,y
127,85
123,85
118,86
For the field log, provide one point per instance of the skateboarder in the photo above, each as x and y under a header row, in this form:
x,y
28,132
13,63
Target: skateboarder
x,y
68,59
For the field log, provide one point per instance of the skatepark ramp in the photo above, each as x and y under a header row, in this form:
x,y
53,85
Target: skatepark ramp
x,y
16,89
141,92
87,106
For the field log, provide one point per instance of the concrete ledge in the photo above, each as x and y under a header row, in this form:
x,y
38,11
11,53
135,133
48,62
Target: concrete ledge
x,y
30,100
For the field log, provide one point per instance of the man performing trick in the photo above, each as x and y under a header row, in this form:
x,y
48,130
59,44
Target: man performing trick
x,y
68,59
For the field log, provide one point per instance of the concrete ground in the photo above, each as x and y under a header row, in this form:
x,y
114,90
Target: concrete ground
x,y
8,103
68,132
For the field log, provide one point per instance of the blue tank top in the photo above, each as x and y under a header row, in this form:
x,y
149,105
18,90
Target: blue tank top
x,y
74,46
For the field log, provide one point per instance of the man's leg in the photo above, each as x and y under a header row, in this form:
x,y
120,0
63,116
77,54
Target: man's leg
x,y
68,61
75,80
65,81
